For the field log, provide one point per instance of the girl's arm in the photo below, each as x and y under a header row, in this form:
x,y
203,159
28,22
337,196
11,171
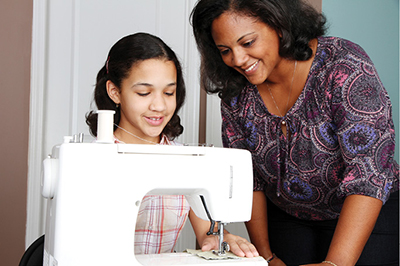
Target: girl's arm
x,y
238,245
356,222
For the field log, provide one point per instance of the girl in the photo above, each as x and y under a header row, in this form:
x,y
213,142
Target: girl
x,y
317,120
142,81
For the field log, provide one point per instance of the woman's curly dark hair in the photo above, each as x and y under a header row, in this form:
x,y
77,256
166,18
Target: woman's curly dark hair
x,y
297,23
123,55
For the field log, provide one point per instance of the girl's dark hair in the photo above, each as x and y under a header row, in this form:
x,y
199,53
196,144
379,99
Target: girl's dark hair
x,y
123,55
297,22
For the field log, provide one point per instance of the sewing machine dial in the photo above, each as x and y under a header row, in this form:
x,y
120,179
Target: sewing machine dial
x,y
49,177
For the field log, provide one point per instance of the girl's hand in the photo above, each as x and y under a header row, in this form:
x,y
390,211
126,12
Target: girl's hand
x,y
238,245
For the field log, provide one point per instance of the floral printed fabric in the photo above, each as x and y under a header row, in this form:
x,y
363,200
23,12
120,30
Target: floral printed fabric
x,y
341,136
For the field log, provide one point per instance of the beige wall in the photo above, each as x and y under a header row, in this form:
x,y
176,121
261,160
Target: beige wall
x,y
15,55
317,4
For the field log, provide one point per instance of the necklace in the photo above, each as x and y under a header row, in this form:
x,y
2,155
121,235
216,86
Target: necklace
x,y
149,141
290,92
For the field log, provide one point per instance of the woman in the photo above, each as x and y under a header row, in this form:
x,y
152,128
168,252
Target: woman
x,y
317,119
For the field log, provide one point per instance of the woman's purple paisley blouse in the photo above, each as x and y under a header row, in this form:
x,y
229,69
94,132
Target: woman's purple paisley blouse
x,y
341,141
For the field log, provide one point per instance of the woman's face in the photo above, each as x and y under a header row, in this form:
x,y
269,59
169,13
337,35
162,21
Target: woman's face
x,y
148,98
247,45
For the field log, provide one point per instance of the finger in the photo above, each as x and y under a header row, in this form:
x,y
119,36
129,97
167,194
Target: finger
x,y
207,245
235,249
248,249
252,250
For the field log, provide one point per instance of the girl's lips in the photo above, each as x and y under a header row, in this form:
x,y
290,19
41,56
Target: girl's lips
x,y
252,68
154,121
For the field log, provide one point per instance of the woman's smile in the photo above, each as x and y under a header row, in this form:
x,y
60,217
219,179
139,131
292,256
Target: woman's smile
x,y
250,69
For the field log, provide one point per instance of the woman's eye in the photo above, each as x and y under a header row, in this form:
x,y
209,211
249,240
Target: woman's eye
x,y
143,93
248,44
224,52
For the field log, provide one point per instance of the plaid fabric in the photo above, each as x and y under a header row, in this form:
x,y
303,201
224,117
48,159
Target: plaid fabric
x,y
159,223
160,219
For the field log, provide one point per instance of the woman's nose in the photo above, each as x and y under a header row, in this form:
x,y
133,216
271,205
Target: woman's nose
x,y
239,57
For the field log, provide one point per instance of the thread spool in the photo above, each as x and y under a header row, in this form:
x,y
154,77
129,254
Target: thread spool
x,y
105,126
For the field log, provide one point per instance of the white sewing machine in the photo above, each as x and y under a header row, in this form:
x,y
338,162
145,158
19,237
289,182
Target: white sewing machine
x,y
94,192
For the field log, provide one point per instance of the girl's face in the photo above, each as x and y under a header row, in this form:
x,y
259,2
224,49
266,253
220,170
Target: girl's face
x,y
147,100
249,46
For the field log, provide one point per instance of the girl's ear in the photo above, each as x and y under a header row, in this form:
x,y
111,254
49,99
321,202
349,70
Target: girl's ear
x,y
113,92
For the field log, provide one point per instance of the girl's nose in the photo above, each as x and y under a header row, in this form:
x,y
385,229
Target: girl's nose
x,y
158,103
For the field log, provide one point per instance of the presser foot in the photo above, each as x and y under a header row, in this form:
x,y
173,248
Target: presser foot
x,y
223,246
222,250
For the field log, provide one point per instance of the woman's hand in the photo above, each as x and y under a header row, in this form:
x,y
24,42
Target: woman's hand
x,y
238,245
276,262
319,264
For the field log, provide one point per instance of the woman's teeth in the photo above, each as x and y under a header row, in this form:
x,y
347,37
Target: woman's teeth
x,y
252,66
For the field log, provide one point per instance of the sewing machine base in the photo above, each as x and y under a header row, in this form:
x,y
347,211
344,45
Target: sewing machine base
x,y
189,259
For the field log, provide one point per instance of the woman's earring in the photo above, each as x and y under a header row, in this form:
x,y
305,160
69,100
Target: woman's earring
x,y
117,105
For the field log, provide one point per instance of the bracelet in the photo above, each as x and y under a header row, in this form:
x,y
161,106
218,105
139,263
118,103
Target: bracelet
x,y
329,262
273,257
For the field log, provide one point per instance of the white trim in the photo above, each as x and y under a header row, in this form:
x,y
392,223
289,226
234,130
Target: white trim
x,y
191,64
213,121
190,110
35,202
157,18
75,67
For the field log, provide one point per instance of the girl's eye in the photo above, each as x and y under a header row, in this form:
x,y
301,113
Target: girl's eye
x,y
143,94
169,93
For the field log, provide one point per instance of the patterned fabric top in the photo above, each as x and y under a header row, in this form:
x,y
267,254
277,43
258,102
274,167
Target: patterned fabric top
x,y
341,136
160,219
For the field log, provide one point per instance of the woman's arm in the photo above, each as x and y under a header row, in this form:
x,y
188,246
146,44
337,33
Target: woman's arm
x,y
257,228
238,245
356,222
